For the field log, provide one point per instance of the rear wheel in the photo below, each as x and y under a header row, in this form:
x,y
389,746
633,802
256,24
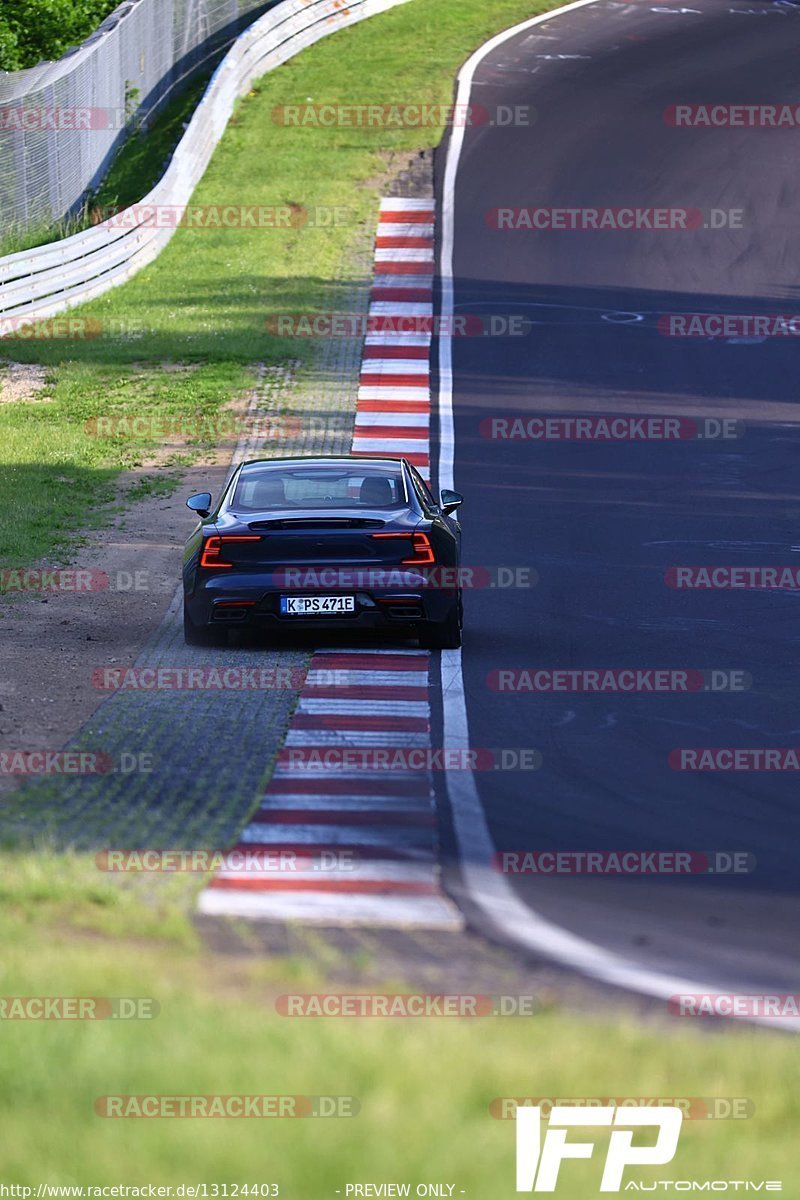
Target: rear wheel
x,y
443,635
197,635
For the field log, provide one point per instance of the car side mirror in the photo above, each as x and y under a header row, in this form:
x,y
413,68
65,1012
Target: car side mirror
x,y
201,504
450,501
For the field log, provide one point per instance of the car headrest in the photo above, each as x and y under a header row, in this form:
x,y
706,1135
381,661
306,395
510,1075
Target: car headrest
x,y
376,491
267,492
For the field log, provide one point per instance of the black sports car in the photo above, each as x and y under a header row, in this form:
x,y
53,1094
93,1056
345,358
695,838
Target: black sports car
x,y
321,542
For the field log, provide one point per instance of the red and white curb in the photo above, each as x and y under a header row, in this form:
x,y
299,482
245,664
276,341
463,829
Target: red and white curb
x,y
394,395
384,820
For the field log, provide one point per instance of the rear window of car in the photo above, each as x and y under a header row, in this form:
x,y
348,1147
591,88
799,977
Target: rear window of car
x,y
284,489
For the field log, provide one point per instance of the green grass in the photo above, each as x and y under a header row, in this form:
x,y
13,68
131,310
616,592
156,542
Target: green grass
x,y
15,238
424,1084
145,155
45,890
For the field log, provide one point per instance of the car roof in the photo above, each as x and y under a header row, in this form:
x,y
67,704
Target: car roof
x,y
324,459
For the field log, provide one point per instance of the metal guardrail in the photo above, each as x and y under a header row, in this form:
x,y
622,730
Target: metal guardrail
x,y
62,122
35,284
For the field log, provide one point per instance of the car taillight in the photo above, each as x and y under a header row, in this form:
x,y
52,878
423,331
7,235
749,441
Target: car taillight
x,y
212,549
421,548
422,551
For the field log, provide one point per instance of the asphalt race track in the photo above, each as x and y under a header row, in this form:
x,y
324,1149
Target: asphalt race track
x,y
603,522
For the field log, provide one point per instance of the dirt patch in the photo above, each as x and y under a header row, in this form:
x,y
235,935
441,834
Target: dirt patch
x,y
170,368
404,175
22,382
51,640
429,961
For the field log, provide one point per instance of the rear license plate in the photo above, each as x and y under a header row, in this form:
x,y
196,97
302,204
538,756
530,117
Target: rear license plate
x,y
317,606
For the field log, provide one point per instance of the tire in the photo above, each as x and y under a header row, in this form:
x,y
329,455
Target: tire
x,y
194,635
442,635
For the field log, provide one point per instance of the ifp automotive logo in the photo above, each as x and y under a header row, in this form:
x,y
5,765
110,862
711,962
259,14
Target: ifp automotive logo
x,y
539,1160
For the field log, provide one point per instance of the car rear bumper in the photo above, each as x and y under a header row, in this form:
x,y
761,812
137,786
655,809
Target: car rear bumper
x,y
245,600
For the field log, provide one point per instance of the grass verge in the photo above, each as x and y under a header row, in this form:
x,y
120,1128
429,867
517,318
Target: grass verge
x,y
42,890
424,1085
